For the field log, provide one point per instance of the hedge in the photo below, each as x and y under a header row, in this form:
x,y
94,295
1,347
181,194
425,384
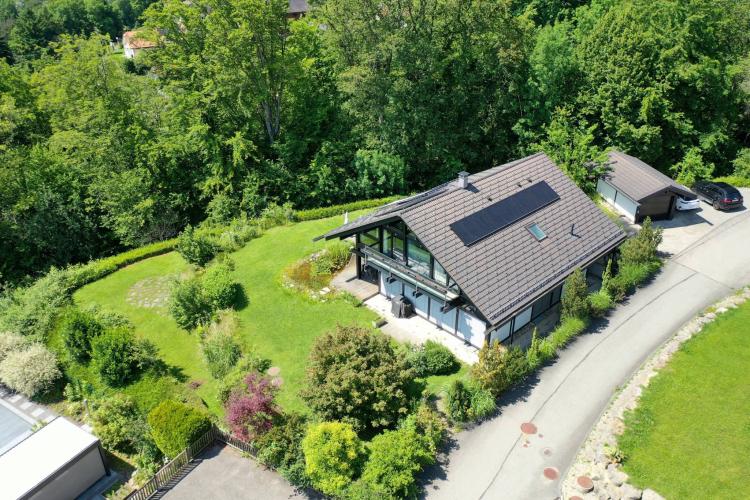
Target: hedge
x,y
323,212
734,180
175,425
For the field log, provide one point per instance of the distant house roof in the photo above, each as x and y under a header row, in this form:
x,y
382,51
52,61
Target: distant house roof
x,y
298,7
639,180
506,270
132,40
41,455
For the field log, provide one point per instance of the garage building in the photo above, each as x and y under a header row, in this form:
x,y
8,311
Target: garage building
x,y
59,461
637,190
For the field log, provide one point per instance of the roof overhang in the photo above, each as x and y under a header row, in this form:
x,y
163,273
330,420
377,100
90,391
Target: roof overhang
x,y
350,229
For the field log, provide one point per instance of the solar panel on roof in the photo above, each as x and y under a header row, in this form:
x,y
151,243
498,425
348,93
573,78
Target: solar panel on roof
x,y
489,220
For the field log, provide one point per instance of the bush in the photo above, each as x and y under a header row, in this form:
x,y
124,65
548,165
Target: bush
x,y
438,359
575,302
324,212
189,305
534,356
118,357
333,456
600,303
30,371
566,330
78,328
32,311
641,248
195,248
483,403
281,448
734,180
119,425
629,276
250,408
357,377
221,352
175,425
395,457
693,168
235,378
428,423
219,286
332,259
459,401
276,215
10,343
498,367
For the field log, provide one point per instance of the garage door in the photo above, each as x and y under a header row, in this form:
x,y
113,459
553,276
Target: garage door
x,y
626,205
606,190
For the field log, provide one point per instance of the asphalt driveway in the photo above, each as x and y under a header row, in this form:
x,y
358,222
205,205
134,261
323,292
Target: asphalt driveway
x,y
495,460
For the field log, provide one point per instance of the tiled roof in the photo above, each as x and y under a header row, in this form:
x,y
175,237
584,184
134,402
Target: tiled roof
x,y
132,40
298,7
639,180
507,270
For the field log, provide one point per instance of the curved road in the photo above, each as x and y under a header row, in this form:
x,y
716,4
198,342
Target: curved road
x,y
494,461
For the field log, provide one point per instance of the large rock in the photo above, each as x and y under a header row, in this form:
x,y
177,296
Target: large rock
x,y
649,494
630,492
615,475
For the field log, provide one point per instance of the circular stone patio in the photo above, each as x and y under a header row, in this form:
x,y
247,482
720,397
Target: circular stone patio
x,y
150,293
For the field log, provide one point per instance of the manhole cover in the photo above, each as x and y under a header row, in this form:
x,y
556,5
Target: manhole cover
x,y
585,483
528,428
551,473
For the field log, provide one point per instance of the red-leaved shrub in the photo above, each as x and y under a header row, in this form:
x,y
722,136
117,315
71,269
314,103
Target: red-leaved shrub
x,y
250,408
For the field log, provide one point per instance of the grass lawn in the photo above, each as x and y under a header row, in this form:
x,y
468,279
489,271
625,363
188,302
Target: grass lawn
x,y
277,323
690,435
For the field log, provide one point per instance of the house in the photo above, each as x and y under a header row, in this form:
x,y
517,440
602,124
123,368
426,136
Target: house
x,y
638,190
297,9
133,43
485,256
60,460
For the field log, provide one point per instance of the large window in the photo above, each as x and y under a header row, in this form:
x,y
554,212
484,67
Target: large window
x,y
371,238
439,273
419,257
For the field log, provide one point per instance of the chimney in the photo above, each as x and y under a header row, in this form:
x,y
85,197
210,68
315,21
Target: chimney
x,y
463,180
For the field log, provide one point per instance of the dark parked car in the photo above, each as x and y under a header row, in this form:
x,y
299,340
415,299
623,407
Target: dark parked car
x,y
719,194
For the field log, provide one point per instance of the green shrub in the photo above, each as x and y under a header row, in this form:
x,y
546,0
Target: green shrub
x,y
332,259
629,276
119,424
534,356
432,358
428,423
10,343
483,403
575,302
234,378
33,310
31,371
459,401
693,168
734,180
600,303
356,376
276,215
77,329
189,305
194,247
394,460
175,425
324,212
118,357
221,353
641,248
566,330
499,367
281,448
547,349
219,286
333,456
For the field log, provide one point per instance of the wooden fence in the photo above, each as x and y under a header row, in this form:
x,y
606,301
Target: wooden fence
x,y
173,468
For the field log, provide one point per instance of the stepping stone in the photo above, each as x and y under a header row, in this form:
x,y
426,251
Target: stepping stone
x,y
14,399
277,381
27,405
274,371
528,428
585,484
37,413
551,473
